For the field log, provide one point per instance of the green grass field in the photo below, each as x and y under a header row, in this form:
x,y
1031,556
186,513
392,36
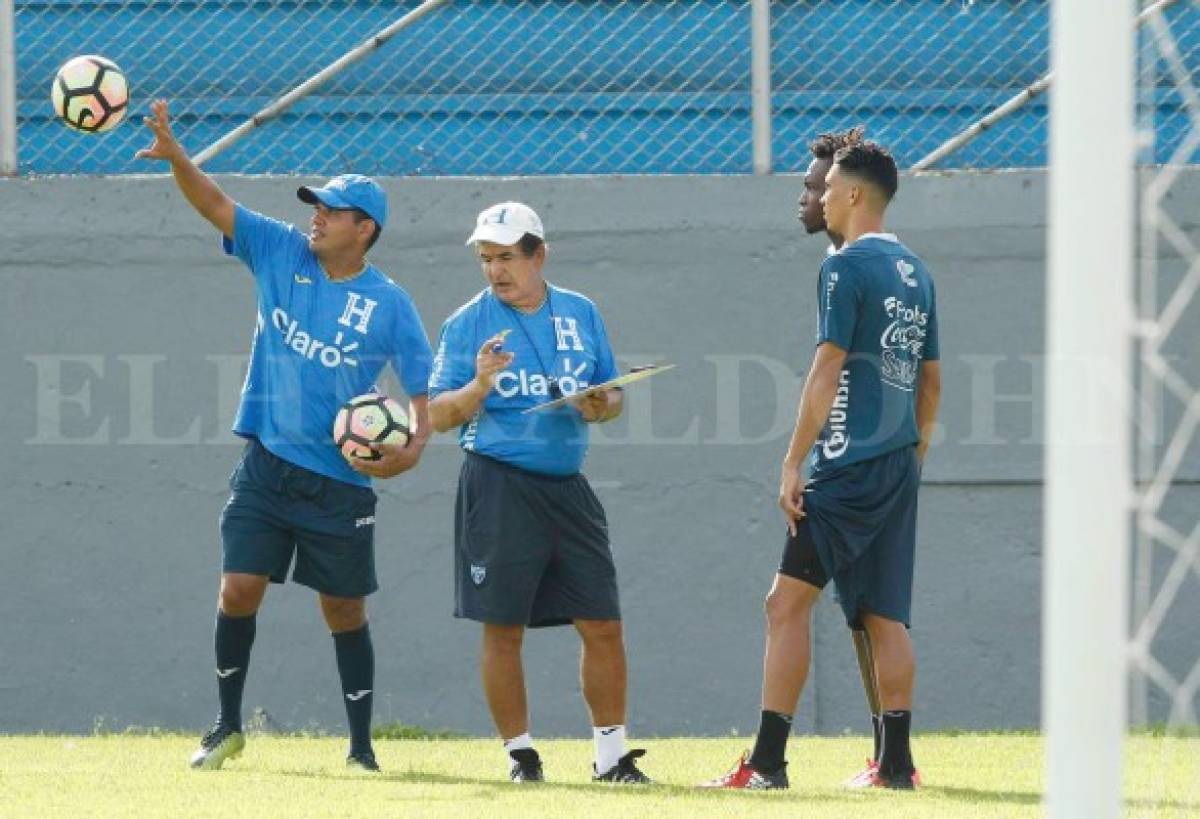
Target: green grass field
x,y
967,776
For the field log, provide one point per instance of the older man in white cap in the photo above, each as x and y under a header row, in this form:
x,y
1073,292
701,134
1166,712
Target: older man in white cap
x,y
531,539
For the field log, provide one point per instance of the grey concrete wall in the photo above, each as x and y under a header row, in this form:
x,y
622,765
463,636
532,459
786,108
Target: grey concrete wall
x,y
124,335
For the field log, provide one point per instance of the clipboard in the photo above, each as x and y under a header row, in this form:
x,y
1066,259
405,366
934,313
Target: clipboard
x,y
631,377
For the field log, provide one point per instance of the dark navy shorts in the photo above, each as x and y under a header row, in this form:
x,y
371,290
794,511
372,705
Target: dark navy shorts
x,y
860,530
530,549
278,510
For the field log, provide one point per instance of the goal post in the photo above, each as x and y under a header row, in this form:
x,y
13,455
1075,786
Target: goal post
x,y
1089,327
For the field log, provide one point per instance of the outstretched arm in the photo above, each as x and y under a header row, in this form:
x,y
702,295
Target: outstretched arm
x,y
201,192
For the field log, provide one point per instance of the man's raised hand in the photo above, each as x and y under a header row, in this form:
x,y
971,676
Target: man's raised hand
x,y
490,360
165,146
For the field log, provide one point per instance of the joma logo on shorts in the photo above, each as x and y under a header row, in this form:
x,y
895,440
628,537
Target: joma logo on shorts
x,y
330,355
367,521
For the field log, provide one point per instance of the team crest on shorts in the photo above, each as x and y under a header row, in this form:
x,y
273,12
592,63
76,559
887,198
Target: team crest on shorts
x,y
478,573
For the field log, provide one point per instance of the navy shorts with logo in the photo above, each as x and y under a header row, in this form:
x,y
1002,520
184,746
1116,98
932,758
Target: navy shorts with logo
x,y
278,509
860,530
530,549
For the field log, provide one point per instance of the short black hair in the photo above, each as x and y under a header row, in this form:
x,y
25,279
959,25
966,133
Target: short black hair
x,y
826,145
872,162
529,244
359,216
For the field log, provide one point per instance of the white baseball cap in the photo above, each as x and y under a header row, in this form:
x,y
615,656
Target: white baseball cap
x,y
506,223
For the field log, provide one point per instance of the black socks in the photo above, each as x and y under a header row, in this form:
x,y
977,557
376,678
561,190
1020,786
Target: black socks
x,y
234,638
356,665
771,742
896,756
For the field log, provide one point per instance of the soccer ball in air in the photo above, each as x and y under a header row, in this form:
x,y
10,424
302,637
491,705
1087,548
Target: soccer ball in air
x,y
91,94
369,419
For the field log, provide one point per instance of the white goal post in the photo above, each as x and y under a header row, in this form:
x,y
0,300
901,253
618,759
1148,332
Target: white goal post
x,y
1089,334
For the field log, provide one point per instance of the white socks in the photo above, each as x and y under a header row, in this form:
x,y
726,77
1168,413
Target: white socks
x,y
610,746
517,743
609,741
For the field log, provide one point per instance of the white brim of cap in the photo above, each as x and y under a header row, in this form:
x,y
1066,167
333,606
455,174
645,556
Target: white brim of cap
x,y
497,234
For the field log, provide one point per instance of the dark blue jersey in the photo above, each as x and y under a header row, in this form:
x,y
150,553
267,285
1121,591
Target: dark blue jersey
x,y
876,301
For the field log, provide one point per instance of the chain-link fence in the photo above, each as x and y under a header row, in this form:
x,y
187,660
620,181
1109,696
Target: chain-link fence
x,y
551,86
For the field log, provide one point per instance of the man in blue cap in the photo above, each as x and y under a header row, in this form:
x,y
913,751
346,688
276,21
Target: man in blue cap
x,y
328,322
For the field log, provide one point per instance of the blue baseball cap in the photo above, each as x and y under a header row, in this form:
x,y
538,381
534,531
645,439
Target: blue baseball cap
x,y
350,190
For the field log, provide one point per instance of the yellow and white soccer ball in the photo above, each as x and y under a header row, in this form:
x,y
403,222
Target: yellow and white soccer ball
x,y
369,419
90,94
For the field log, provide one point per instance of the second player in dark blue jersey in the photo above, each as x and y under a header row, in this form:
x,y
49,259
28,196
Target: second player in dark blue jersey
x,y
866,415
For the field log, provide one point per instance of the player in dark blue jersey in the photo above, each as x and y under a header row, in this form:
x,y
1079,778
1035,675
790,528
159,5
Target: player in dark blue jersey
x,y
328,322
811,215
531,539
865,419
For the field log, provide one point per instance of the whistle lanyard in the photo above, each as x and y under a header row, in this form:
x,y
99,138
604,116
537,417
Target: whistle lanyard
x,y
551,379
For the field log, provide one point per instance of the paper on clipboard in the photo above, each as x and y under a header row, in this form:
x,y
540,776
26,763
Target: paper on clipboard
x,y
630,377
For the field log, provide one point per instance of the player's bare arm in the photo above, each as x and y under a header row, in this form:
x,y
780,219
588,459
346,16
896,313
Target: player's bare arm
x,y
602,406
395,459
454,408
198,188
929,395
816,401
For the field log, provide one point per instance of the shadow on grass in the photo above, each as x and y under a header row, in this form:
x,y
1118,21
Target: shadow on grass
x,y
1031,798
495,786
975,795
1193,808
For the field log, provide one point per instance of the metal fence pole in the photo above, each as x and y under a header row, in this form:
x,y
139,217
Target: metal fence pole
x,y
1015,104
8,89
279,106
760,84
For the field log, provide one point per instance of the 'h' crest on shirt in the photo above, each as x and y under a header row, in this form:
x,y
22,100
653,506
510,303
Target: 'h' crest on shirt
x,y
566,332
353,310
